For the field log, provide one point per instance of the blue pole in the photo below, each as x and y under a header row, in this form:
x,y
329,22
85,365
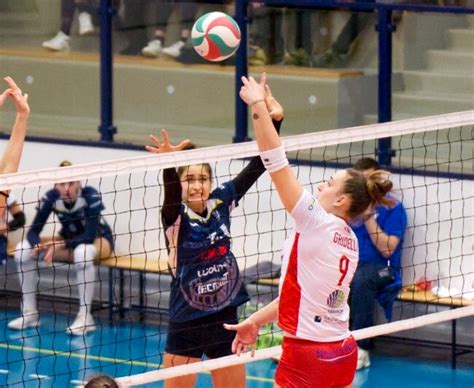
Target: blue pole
x,y
241,69
384,28
106,128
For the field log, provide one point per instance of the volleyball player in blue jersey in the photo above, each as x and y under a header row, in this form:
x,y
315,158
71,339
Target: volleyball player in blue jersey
x,y
206,288
84,237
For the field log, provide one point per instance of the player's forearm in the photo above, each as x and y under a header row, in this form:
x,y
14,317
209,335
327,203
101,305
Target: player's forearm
x,y
265,133
267,314
385,243
12,154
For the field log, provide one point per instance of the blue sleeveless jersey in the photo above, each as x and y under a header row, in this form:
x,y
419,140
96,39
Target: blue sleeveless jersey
x,y
207,275
80,224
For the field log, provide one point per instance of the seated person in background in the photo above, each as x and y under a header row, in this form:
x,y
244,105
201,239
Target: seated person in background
x,y
84,237
162,9
380,239
60,42
337,56
9,225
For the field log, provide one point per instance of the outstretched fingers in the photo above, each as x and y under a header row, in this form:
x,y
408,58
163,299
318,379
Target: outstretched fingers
x,y
4,96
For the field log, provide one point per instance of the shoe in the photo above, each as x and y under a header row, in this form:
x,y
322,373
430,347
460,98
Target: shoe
x,y
26,321
330,59
363,359
175,49
85,24
59,43
299,57
152,49
256,56
84,323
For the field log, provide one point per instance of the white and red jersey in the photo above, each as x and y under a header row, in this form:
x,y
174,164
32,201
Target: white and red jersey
x,y
319,261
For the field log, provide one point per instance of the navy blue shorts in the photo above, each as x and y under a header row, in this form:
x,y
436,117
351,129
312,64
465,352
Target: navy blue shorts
x,y
203,335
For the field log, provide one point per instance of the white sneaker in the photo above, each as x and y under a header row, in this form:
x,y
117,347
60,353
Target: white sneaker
x,y
174,50
85,24
363,359
59,43
84,323
26,321
152,49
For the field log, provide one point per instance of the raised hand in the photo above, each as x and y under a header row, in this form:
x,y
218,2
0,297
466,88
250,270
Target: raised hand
x,y
253,92
274,107
246,336
164,146
15,93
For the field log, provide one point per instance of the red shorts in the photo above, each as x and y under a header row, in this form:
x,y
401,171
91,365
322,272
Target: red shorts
x,y
316,364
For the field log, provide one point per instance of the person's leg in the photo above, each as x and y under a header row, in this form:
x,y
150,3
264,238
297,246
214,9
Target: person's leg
x,y
183,381
232,376
27,268
351,30
362,299
187,13
161,11
68,7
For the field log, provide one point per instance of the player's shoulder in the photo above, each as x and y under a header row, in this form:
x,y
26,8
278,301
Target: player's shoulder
x,y
51,195
90,192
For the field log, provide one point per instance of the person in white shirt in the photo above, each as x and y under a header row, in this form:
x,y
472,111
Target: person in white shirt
x,y
320,259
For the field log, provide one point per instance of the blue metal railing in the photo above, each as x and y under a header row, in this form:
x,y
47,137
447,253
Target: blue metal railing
x,y
384,29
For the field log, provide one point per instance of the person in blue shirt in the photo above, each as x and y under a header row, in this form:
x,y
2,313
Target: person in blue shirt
x,y
380,238
84,237
206,288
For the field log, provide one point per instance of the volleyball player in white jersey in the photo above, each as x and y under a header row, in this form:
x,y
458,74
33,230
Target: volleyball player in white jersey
x,y
12,155
320,259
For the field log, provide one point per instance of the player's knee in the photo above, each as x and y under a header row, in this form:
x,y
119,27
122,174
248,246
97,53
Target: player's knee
x,y
23,251
84,254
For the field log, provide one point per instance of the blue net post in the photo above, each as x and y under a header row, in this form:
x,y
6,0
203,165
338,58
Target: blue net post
x,y
106,128
385,29
241,69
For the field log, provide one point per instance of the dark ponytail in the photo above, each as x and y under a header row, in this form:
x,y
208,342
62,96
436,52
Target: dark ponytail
x,y
367,191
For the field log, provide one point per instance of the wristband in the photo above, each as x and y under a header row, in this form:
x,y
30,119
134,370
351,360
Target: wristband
x,y
275,159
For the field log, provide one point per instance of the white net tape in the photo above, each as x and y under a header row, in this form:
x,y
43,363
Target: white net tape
x,y
208,365
236,151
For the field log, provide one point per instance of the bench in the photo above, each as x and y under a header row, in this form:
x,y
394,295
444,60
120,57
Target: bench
x,y
408,294
142,265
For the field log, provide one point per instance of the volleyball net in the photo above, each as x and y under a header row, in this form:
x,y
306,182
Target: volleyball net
x,y
432,175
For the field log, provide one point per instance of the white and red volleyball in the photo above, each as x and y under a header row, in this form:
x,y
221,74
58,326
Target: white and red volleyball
x,y
215,36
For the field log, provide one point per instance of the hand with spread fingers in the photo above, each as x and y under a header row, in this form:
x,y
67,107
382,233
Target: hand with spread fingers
x,y
275,110
253,92
164,145
245,337
14,92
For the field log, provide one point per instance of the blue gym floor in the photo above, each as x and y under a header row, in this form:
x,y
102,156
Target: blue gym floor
x,y
48,357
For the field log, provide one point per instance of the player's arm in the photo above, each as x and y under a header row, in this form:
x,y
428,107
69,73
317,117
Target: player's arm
x,y
269,144
387,242
252,171
172,200
247,330
12,155
18,215
44,210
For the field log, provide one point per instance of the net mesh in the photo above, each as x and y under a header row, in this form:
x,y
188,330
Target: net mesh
x,y
432,173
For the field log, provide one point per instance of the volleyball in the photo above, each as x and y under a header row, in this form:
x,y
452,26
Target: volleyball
x,y
215,36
